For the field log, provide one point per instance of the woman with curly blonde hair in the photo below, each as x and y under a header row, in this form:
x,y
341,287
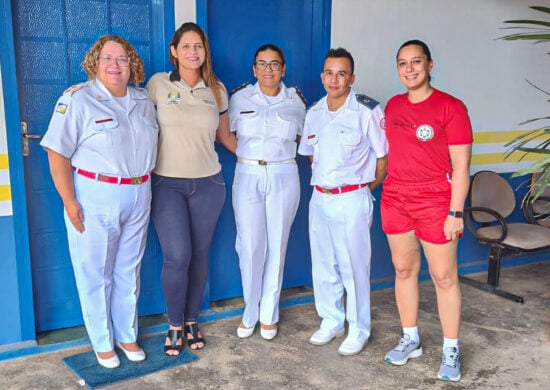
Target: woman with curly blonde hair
x,y
102,147
92,59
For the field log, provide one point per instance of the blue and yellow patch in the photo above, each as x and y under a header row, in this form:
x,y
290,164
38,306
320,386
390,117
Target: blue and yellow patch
x,y
61,108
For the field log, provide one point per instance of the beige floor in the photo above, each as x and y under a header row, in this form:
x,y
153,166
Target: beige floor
x,y
505,345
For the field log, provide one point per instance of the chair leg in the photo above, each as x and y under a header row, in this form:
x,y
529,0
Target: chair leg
x,y
493,270
490,289
493,277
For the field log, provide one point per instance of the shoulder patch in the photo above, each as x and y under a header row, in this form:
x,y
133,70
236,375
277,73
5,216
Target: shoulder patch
x,y
366,100
73,88
300,94
243,85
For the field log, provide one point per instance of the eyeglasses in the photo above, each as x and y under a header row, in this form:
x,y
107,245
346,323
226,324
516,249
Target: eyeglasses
x,y
273,65
106,59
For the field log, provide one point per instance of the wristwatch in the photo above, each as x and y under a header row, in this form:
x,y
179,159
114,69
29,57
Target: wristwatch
x,y
456,214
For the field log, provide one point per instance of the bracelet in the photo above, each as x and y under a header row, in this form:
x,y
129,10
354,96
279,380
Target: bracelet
x,y
456,214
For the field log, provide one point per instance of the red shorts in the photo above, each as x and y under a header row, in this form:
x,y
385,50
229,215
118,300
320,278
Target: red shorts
x,y
422,207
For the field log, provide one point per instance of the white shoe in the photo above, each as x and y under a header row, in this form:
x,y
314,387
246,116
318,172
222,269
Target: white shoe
x,y
352,346
112,362
133,356
322,337
268,334
243,333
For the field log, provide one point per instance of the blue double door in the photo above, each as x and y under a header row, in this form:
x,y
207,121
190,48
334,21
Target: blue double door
x,y
51,41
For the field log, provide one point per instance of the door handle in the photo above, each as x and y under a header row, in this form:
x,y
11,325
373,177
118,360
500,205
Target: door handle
x,y
26,137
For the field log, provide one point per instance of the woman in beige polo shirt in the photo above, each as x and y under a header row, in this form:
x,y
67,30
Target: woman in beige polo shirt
x,y
188,187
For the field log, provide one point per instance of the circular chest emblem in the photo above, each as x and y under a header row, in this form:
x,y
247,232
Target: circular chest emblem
x,y
424,132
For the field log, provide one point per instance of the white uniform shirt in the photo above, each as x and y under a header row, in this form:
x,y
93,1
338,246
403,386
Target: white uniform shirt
x,y
345,144
91,128
266,126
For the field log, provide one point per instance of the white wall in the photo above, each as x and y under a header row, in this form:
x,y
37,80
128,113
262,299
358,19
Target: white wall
x,y
469,61
184,11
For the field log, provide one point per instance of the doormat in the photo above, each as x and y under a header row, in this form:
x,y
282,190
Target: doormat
x,y
91,374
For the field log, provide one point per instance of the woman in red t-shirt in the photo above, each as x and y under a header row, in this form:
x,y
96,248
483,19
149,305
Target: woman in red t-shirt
x,y
430,136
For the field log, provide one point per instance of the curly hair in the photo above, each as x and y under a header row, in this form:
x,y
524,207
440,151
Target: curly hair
x,y
207,73
91,60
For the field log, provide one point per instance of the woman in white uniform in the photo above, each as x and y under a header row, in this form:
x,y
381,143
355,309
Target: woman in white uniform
x,y
102,146
268,118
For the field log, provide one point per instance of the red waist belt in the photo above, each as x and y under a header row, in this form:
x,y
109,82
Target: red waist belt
x,y
112,179
340,190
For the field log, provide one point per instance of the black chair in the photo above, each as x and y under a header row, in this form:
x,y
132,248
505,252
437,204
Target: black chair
x,y
537,210
492,200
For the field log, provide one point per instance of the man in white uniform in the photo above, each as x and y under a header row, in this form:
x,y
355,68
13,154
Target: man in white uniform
x,y
344,139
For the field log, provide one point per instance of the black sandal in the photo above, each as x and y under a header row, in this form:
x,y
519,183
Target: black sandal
x,y
193,330
174,335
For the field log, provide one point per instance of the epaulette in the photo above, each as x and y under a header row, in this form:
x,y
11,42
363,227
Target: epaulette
x,y
366,100
73,88
243,85
300,94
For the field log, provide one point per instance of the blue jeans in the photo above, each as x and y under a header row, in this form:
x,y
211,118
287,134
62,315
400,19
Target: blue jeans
x,y
185,213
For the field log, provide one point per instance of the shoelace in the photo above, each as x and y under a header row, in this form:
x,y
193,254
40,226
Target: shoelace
x,y
450,357
403,344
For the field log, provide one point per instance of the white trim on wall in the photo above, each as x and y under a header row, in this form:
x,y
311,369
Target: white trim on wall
x,y
5,189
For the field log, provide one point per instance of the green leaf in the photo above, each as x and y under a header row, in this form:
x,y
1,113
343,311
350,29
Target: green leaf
x,y
541,9
533,150
533,168
527,36
525,21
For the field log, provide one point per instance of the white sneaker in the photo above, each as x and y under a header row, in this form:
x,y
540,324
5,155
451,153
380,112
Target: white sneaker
x,y
352,346
322,336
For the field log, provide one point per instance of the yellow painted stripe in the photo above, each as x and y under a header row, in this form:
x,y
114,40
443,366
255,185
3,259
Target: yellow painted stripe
x,y
5,192
498,158
493,137
4,163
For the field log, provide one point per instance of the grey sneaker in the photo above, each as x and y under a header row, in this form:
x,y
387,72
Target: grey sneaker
x,y
405,350
450,365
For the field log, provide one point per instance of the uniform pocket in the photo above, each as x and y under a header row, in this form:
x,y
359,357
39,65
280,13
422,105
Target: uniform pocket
x,y
108,128
287,127
348,142
248,123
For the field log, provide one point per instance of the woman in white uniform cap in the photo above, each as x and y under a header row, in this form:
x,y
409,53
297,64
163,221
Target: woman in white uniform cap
x,y
268,118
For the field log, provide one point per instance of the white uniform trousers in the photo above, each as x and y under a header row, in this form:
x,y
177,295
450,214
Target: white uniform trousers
x,y
265,201
106,257
339,233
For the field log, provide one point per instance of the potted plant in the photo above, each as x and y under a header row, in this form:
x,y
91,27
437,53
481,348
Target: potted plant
x,y
536,141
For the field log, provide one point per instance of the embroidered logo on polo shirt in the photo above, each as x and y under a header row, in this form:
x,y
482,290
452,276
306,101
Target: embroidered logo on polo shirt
x,y
174,97
209,102
424,132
